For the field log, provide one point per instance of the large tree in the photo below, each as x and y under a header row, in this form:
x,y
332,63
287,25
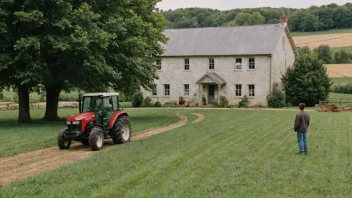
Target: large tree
x,y
90,45
20,59
307,80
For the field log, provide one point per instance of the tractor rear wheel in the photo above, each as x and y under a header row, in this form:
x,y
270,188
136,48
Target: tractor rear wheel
x,y
61,142
122,130
96,138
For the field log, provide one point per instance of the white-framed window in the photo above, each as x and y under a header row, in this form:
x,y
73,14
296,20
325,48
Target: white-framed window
x,y
251,63
167,89
186,89
238,63
158,64
251,90
211,63
238,90
186,64
155,91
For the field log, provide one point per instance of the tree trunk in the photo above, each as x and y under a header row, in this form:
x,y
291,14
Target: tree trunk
x,y
23,101
52,102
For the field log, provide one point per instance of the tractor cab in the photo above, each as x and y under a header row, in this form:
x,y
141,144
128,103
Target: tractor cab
x,y
102,104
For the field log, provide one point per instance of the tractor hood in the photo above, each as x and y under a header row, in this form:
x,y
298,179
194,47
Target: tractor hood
x,y
82,116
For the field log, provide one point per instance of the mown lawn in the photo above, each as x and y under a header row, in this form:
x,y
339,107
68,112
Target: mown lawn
x,y
230,154
334,31
17,138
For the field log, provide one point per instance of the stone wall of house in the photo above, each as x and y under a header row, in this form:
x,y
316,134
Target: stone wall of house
x,y
283,57
174,74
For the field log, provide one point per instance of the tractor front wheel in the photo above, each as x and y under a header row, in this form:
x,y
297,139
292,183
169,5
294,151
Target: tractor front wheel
x,y
122,130
61,142
96,138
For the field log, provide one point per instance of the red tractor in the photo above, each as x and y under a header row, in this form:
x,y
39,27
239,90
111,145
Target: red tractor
x,y
99,118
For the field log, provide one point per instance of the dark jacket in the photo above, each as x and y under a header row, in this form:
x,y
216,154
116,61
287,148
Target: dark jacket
x,y
301,122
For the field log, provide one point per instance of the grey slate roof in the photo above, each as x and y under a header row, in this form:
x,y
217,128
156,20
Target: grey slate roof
x,y
215,76
223,41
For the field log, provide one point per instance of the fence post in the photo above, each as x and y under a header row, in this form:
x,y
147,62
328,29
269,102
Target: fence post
x,y
340,101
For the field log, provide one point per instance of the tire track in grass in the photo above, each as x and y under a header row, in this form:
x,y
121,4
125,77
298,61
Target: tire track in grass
x,y
27,164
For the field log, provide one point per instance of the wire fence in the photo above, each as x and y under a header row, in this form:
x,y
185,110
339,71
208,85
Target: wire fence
x,y
337,101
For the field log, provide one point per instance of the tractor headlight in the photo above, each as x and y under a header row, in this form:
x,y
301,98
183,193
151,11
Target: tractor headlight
x,y
75,122
68,122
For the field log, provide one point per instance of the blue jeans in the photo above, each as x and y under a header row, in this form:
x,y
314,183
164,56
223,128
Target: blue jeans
x,y
302,142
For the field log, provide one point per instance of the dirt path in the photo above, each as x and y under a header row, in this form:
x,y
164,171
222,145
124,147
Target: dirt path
x,y
200,117
27,164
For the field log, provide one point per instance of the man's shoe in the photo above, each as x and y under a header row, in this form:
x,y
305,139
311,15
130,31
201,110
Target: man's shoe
x,y
306,153
300,153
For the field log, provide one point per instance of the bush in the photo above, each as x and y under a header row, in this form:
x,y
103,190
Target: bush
x,y
137,99
345,88
158,104
67,97
1,96
223,101
147,102
181,101
244,102
276,97
215,104
306,81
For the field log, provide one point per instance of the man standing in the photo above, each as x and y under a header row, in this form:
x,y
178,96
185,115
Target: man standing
x,y
301,128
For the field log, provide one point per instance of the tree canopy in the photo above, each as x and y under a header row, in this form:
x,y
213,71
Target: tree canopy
x,y
89,45
312,19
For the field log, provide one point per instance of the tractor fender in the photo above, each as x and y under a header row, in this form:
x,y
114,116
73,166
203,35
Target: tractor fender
x,y
114,117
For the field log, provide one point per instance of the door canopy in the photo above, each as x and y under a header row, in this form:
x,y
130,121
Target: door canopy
x,y
211,78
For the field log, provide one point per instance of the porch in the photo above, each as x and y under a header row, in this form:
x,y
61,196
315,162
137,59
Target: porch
x,y
210,86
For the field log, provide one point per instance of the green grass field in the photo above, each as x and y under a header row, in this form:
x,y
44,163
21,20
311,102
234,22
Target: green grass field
x,y
17,138
234,152
336,31
340,80
348,49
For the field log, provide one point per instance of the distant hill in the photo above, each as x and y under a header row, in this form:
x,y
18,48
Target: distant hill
x,y
315,18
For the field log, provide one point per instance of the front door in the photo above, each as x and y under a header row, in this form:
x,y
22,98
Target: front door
x,y
211,94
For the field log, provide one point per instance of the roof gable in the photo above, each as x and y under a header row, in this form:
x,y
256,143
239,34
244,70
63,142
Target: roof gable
x,y
223,41
211,77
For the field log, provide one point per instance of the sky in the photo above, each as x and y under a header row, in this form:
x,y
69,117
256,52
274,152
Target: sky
x,y
232,4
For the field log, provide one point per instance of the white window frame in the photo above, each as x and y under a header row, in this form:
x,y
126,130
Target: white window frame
x,y
251,92
238,89
155,90
167,90
186,89
186,64
238,67
251,64
211,63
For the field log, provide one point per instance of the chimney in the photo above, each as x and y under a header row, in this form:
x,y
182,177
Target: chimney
x,y
283,18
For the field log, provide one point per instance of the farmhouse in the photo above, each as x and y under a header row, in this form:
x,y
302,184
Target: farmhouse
x,y
223,61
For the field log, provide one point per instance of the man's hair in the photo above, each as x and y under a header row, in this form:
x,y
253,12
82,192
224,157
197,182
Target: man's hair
x,y
302,106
